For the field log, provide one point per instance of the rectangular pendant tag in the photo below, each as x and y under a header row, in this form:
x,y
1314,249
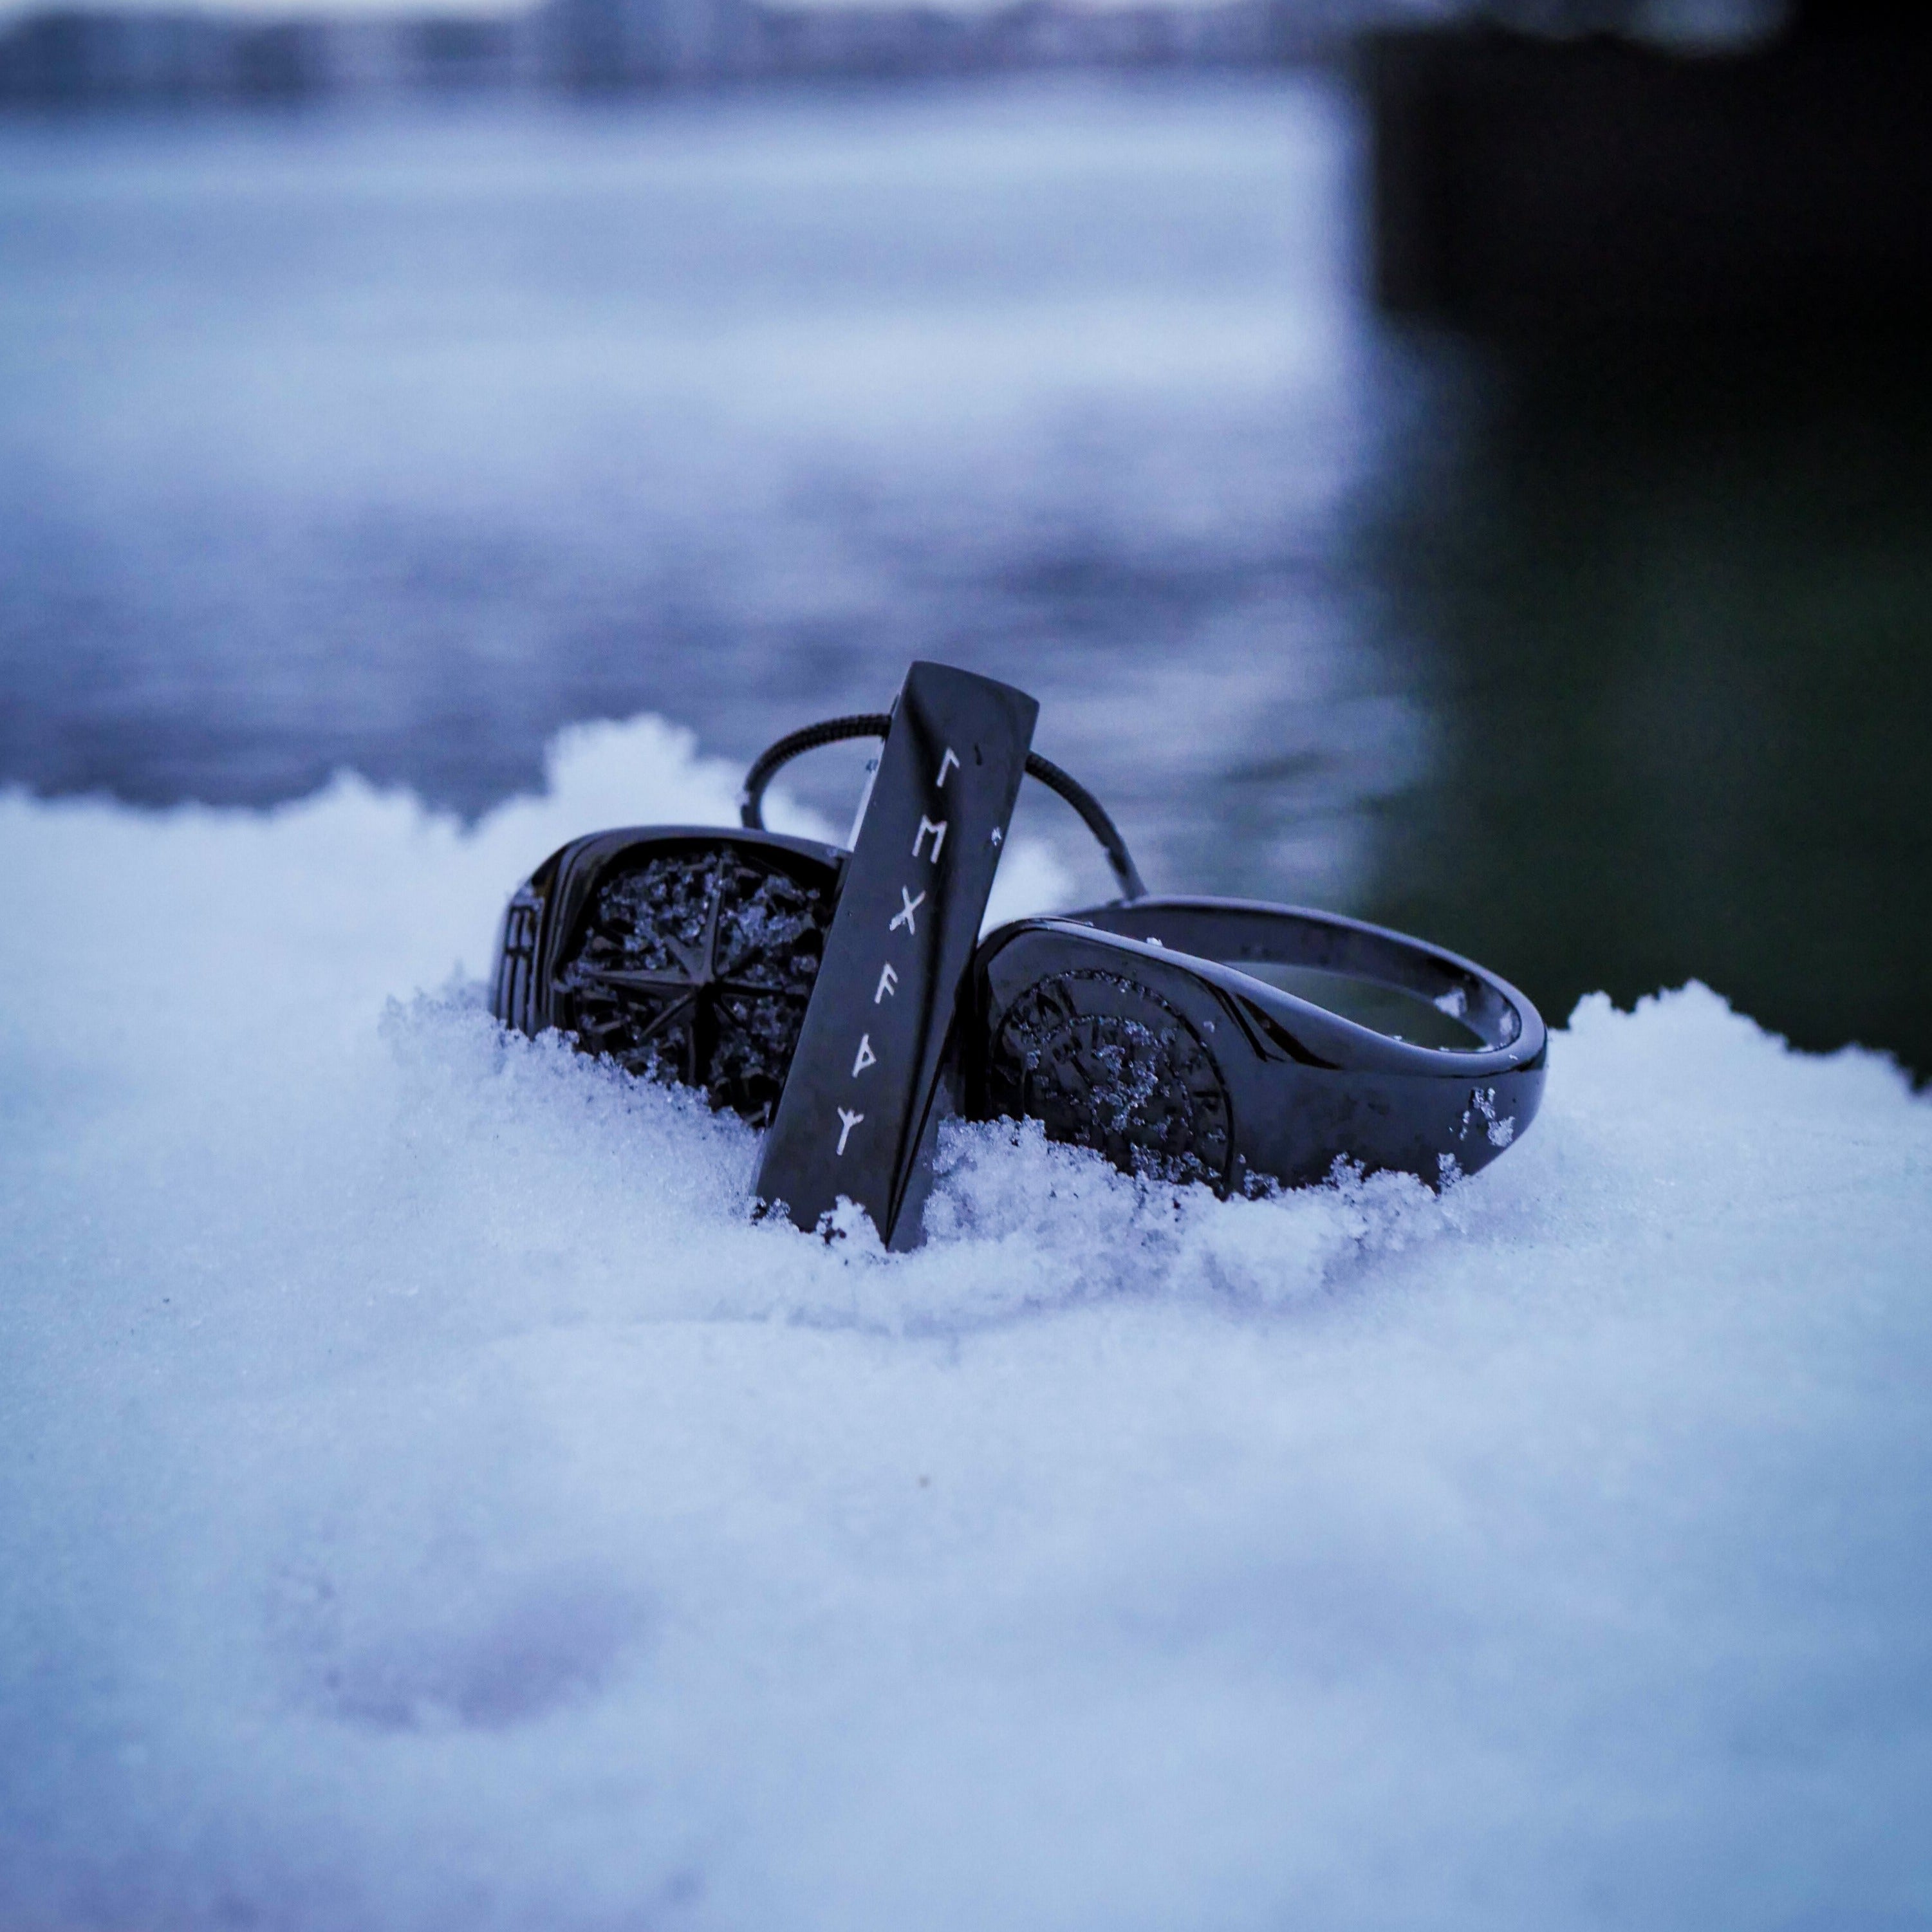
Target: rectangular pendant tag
x,y
852,1117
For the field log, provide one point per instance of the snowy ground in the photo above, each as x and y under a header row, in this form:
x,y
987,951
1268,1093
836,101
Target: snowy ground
x,y
428,1502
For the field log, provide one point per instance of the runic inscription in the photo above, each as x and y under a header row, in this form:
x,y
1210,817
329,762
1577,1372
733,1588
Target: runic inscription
x,y
862,1080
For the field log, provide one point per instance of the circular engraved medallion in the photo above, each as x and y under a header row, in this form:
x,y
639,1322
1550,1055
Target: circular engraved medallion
x,y
696,968
1105,1063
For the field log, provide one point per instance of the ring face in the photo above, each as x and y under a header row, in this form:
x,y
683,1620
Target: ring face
x,y
695,967
1104,1062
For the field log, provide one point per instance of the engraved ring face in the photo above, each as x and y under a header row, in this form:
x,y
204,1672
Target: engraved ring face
x,y
697,967
1107,1064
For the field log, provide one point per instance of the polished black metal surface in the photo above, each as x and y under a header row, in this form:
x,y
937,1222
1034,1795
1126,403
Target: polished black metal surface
x,y
839,997
857,1103
1127,1029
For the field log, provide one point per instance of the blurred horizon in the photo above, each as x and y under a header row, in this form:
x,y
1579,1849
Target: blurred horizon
x,y
1420,10
16,10
398,435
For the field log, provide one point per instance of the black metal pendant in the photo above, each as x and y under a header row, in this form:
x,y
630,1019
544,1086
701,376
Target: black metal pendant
x,y
859,1101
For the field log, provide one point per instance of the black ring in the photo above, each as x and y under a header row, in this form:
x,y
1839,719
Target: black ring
x,y
875,725
1131,1029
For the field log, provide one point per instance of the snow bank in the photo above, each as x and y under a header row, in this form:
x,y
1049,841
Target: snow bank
x,y
428,1502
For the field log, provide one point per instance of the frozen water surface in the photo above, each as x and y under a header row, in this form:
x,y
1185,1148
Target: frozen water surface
x,y
428,1502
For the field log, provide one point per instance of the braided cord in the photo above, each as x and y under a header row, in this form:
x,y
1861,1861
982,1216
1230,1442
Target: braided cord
x,y
875,725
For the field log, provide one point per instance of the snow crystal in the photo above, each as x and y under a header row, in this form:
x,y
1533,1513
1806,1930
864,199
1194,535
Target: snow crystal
x,y
431,1501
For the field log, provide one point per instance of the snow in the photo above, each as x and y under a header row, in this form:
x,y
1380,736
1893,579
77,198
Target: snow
x,y
429,1502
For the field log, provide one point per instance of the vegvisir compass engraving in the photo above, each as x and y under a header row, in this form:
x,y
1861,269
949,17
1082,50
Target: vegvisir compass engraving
x,y
698,969
1109,1065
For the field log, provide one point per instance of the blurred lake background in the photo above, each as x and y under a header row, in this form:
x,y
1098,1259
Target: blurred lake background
x,y
396,435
